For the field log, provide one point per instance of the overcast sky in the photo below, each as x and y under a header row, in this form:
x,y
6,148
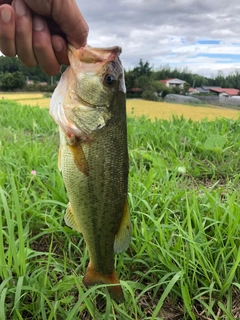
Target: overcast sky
x,y
202,35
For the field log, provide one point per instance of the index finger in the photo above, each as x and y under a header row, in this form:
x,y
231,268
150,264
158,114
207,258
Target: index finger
x,y
67,16
7,30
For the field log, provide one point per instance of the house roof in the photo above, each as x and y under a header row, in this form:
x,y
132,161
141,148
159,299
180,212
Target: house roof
x,y
205,89
172,80
209,87
229,91
166,80
135,89
201,90
191,89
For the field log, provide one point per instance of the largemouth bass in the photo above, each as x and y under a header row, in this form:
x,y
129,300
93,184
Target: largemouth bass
x,y
89,105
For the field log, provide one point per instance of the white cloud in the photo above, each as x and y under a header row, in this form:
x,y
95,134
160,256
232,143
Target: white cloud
x,y
167,32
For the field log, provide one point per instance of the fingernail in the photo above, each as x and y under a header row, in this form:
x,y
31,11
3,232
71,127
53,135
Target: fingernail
x,y
6,15
20,7
57,45
38,24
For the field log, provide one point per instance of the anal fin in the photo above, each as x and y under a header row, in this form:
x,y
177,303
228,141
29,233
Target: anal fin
x,y
123,236
71,220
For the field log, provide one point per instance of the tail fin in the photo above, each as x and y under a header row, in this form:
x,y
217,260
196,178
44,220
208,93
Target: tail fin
x,y
93,277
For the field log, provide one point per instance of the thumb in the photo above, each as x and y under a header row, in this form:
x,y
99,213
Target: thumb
x,y
71,21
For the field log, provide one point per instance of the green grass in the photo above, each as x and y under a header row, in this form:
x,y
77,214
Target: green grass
x,y
184,195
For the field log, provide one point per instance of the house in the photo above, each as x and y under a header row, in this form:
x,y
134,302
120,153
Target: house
x,y
173,82
200,90
133,90
192,91
225,92
205,89
29,82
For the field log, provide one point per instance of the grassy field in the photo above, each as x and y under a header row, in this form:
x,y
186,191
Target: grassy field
x,y
184,195
136,108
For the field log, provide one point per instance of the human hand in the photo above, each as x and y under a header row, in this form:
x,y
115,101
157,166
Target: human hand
x,y
38,31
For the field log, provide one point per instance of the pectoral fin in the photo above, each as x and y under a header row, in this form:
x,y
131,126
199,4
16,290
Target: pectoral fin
x,y
79,158
123,237
70,219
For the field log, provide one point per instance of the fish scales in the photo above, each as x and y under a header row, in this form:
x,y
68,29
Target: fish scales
x,y
103,190
93,157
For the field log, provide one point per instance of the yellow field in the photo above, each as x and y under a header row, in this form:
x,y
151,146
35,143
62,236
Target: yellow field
x,y
20,96
29,99
42,103
136,108
164,110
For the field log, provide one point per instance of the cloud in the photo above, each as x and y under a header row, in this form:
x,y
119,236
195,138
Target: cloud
x,y
168,32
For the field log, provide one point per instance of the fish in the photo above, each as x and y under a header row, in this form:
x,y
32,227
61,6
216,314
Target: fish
x,y
89,106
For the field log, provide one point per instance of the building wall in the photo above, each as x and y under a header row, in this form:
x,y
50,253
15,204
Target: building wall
x,y
223,94
171,85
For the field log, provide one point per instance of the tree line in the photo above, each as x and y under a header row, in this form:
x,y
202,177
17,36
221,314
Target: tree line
x,y
144,77
13,76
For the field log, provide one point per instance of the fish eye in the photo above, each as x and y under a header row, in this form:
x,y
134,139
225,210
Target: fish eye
x,y
109,79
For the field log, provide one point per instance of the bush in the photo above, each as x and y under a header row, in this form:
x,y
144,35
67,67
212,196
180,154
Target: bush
x,y
38,87
149,95
134,95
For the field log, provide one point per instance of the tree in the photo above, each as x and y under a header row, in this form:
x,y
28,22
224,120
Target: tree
x,y
129,79
9,64
161,89
144,82
220,80
143,69
149,95
13,65
186,87
176,90
133,78
11,81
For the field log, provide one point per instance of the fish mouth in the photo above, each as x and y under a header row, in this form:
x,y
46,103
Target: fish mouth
x,y
92,62
89,54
